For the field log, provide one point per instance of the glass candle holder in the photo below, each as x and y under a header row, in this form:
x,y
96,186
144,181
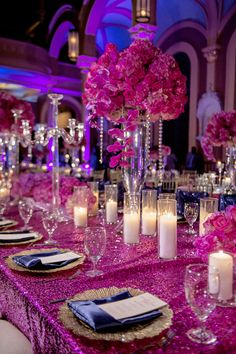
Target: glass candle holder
x,y
111,203
149,212
207,207
93,207
223,262
80,198
167,228
131,218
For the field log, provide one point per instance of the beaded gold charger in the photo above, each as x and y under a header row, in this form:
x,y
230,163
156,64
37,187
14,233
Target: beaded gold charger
x,y
151,329
10,262
31,240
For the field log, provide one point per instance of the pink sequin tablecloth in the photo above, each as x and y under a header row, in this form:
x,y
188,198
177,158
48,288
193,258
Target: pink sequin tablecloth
x,y
25,297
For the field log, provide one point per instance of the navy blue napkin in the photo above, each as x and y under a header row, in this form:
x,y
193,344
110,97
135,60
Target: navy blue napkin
x,y
89,313
188,197
32,261
226,200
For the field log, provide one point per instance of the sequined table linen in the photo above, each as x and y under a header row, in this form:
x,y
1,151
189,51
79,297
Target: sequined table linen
x,y
25,298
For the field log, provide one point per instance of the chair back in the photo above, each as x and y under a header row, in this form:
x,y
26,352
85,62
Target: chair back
x,y
115,176
98,175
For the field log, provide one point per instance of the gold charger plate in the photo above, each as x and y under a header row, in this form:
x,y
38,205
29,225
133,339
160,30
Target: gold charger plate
x,y
39,236
15,266
151,329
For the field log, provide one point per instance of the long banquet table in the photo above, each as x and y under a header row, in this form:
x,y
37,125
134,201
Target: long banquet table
x,y
24,297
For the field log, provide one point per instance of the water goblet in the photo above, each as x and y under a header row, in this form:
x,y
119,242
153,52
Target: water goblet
x,y
26,208
50,222
202,286
94,246
191,211
4,200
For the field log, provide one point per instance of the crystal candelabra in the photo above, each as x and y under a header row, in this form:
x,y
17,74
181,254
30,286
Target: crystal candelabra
x,y
44,134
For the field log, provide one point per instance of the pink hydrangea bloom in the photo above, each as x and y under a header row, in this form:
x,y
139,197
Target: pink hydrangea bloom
x,y
220,131
220,233
39,187
7,104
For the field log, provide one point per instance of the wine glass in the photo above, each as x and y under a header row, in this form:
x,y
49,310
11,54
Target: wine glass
x,y
26,208
191,211
50,222
201,291
94,246
4,200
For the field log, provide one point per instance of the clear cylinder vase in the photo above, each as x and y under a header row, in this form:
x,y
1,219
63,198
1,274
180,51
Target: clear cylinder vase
x,y
230,167
134,174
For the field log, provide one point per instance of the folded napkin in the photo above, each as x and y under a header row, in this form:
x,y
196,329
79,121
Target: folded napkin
x,y
34,261
186,197
226,200
99,320
17,236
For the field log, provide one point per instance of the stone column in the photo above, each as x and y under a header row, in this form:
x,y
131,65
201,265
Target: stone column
x,y
211,55
84,63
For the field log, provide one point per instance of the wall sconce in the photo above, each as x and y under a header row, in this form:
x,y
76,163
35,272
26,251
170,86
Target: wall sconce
x,y
73,45
143,11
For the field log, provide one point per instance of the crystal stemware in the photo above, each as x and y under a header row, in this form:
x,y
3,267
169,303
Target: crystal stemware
x,y
94,246
201,291
50,222
4,200
26,208
191,211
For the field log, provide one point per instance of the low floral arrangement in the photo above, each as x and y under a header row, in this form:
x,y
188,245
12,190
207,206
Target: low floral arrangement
x,y
220,233
130,86
9,103
220,131
39,187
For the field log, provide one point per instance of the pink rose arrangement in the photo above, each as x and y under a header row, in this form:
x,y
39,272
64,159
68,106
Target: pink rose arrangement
x,y
39,187
127,86
7,104
220,233
220,131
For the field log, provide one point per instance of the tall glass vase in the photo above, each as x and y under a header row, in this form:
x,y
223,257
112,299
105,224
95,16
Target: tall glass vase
x,y
134,174
230,167
55,101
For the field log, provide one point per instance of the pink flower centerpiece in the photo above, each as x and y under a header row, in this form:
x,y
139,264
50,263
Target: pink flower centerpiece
x,y
220,233
220,131
9,103
140,81
39,187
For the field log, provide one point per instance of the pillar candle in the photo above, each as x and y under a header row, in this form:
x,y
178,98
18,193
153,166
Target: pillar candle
x,y
223,262
4,192
111,211
131,227
203,216
80,216
149,222
168,236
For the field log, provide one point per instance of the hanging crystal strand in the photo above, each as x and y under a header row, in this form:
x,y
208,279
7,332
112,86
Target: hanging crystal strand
x,y
148,139
55,101
101,140
16,164
160,135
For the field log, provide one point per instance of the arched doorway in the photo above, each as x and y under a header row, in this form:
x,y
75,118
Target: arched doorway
x,y
175,132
